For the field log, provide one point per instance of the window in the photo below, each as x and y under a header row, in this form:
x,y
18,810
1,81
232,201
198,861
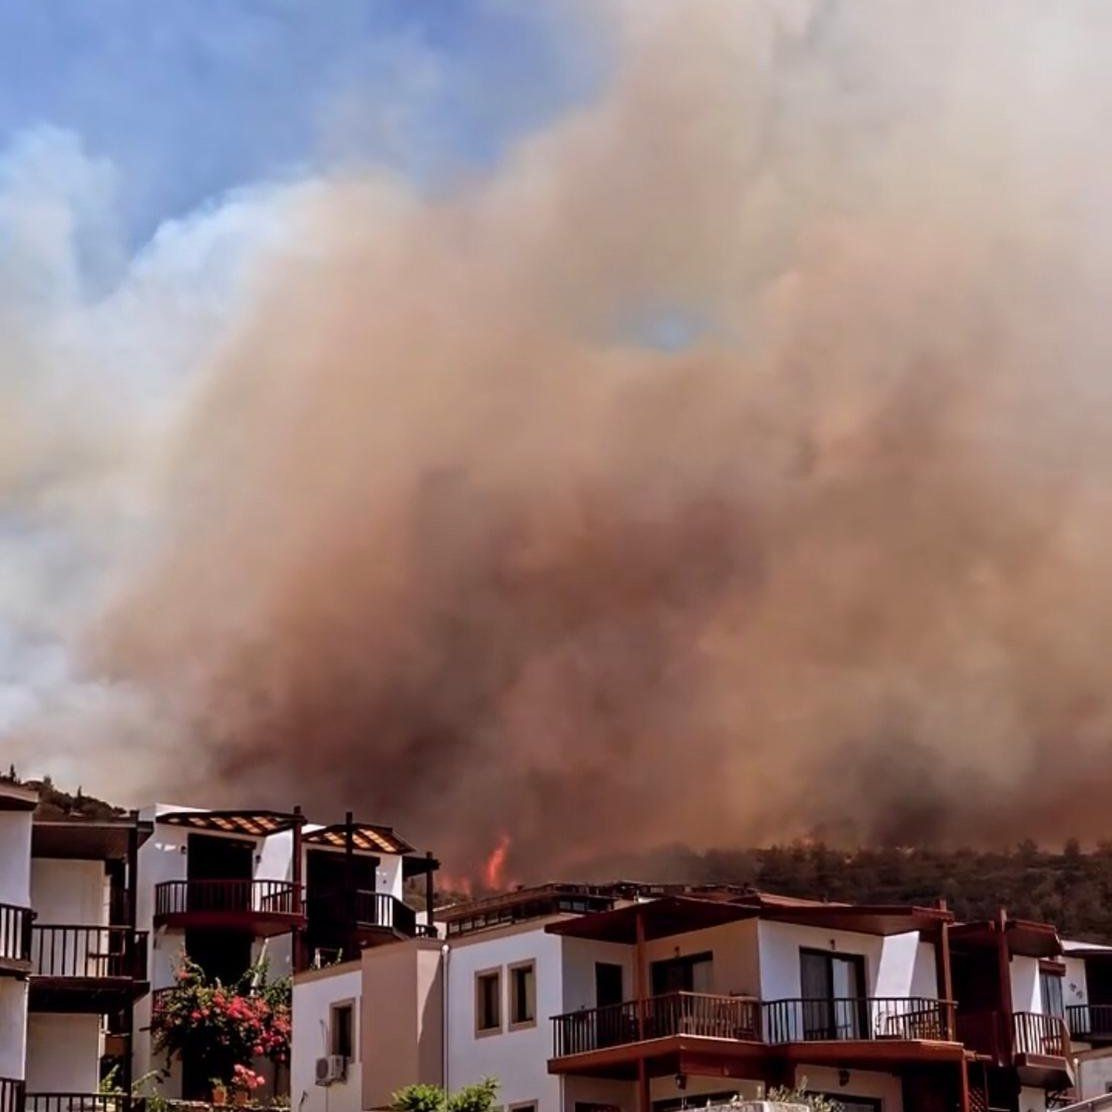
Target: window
x,y
488,1001
688,974
524,1106
1050,984
523,994
342,1030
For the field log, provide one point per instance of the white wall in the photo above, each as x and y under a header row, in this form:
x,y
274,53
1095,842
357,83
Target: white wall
x,y
898,965
15,857
63,1053
13,1026
735,968
579,956
1075,988
1025,984
312,1001
1094,1077
517,1058
389,878
275,857
1032,1100
862,1083
66,892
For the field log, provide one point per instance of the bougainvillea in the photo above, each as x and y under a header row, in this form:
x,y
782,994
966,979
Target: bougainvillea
x,y
223,1029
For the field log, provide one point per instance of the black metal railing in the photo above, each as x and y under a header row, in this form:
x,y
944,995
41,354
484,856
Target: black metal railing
x,y
90,952
1090,1021
745,1018
676,1013
857,1018
1037,1033
12,1094
269,897
377,909
82,1102
15,932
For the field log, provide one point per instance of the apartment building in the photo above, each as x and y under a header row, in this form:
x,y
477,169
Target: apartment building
x,y
230,888
1083,995
627,999
72,962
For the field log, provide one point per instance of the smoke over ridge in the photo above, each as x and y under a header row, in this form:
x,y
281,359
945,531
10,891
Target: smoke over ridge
x,y
733,462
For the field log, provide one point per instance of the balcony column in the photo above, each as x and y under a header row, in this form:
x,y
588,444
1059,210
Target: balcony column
x,y
351,948
639,970
644,1096
130,913
430,895
297,935
944,974
1006,1035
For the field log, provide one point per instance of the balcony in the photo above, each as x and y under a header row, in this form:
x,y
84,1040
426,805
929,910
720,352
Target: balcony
x,y
11,1095
1037,1045
15,939
681,1027
82,1102
86,968
1091,1023
258,907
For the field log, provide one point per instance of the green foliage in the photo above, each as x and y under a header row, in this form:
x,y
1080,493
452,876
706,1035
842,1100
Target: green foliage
x,y
480,1097
816,1102
419,1098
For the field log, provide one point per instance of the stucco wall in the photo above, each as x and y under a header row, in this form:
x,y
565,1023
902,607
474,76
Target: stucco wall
x,y
69,891
313,996
63,1053
861,1083
15,857
1032,1100
13,1026
579,956
1094,1077
518,1058
735,967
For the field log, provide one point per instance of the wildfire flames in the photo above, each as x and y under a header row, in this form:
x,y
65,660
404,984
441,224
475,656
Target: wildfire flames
x,y
494,868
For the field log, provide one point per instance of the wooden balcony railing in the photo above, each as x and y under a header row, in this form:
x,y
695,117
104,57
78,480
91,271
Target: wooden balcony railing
x,y
376,909
1090,1021
12,1094
88,952
1035,1033
678,1013
15,933
744,1018
261,897
82,1102
856,1018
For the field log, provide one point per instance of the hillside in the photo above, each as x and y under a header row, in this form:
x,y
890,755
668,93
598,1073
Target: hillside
x,y
1069,888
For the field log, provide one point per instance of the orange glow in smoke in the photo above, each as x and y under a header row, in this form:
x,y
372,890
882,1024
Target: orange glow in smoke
x,y
494,868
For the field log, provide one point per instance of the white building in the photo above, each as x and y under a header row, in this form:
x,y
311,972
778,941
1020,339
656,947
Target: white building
x,y
617,1000
231,888
72,963
1086,1001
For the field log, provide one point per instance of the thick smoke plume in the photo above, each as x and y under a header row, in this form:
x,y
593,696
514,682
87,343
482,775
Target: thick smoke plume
x,y
732,463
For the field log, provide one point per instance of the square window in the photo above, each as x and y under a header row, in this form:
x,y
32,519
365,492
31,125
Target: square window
x,y
488,1001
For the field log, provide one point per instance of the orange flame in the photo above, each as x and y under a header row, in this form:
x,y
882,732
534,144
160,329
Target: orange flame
x,y
494,868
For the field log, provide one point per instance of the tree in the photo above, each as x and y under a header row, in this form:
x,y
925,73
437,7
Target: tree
x,y
480,1097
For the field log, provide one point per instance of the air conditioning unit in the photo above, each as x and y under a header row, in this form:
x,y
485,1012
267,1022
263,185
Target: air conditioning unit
x,y
330,1069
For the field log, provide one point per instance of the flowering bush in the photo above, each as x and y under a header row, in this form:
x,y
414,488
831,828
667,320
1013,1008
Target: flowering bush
x,y
223,1029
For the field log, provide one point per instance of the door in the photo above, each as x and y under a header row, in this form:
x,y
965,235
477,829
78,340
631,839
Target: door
x,y
331,902
614,1024
227,864
686,974
833,990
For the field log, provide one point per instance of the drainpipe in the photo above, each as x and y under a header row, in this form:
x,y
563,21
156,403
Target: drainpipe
x,y
445,954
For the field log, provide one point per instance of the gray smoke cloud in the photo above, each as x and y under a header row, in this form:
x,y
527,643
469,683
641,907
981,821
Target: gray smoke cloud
x,y
731,462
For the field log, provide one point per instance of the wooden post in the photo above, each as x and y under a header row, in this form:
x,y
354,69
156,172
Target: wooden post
x,y
297,938
1004,959
963,1081
944,973
644,1097
639,971
430,895
127,1065
351,948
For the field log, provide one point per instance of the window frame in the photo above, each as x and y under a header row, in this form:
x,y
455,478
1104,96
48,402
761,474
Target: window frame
x,y
515,1024
348,1005
494,972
